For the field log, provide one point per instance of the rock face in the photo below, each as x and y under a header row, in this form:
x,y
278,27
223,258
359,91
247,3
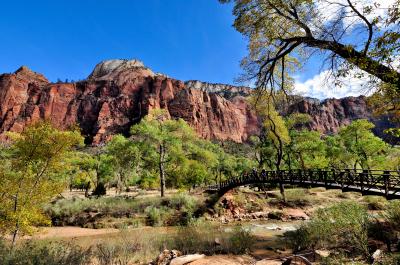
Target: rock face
x,y
115,96
118,93
226,91
329,115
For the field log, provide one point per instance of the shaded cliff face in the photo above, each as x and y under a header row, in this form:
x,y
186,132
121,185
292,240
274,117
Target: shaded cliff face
x,y
114,97
119,93
329,115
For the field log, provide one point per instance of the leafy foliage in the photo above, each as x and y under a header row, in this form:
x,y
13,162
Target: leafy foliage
x,y
32,175
283,34
342,225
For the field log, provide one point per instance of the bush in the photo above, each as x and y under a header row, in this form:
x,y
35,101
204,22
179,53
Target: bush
x,y
392,213
340,260
186,205
299,239
201,237
389,259
157,216
240,241
44,253
112,206
297,198
74,211
342,225
100,190
375,202
119,252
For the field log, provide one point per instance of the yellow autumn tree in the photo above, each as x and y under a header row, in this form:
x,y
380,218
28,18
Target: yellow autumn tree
x,y
274,128
31,175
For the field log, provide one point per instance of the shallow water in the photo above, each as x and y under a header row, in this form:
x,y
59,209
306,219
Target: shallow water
x,y
267,234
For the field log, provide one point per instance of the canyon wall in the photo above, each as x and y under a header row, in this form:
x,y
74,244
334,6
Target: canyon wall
x,y
118,93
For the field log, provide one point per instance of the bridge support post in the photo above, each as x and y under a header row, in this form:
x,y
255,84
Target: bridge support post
x,y
386,179
362,178
333,176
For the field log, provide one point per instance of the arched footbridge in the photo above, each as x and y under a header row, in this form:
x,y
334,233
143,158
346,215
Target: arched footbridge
x,y
368,182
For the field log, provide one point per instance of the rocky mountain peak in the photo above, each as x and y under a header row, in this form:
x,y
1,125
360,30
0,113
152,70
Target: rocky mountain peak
x,y
108,69
224,90
27,74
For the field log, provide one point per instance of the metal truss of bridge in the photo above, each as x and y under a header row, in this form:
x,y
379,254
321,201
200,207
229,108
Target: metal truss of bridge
x,y
368,182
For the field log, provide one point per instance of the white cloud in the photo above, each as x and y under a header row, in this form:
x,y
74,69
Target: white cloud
x,y
323,86
331,10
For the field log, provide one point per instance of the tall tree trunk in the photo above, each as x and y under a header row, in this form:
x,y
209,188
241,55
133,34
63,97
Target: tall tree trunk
x,y
278,171
15,233
162,170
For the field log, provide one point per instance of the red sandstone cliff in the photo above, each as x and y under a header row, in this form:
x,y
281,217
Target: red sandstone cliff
x,y
119,93
116,95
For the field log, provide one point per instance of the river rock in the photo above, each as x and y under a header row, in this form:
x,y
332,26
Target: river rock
x,y
224,260
269,262
323,253
186,259
377,256
166,256
295,214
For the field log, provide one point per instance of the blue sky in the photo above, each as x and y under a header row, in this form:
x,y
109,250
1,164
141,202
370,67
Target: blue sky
x,y
185,39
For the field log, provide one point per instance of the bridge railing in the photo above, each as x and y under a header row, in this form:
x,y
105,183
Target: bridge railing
x,y
370,181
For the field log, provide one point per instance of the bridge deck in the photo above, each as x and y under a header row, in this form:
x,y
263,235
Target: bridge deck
x,y
368,182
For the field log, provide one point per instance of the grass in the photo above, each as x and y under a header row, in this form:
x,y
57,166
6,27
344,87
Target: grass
x,y
131,247
295,198
132,212
375,202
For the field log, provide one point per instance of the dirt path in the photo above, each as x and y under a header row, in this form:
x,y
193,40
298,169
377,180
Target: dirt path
x,y
70,232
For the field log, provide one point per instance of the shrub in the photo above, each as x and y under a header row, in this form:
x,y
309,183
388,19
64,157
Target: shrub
x,y
108,206
201,237
392,213
115,253
344,224
44,253
299,239
100,190
186,205
157,216
183,201
389,259
383,232
297,198
375,202
240,241
340,260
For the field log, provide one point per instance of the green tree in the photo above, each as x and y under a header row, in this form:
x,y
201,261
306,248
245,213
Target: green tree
x,y
274,129
87,169
284,32
126,157
161,140
336,153
308,149
361,145
33,174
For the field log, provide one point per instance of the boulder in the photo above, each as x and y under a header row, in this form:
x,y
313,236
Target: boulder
x,y
186,259
269,262
295,214
166,256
